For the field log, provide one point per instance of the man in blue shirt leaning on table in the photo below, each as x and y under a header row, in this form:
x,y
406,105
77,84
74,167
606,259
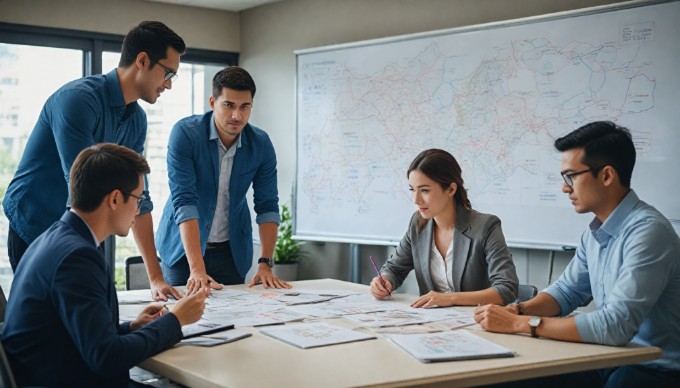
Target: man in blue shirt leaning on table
x,y
205,236
62,325
89,110
627,263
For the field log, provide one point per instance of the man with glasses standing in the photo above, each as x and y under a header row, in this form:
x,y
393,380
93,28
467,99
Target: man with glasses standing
x,y
627,263
94,109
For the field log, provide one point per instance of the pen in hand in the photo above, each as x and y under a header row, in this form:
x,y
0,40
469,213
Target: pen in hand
x,y
382,281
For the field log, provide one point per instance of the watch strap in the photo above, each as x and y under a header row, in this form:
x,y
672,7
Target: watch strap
x,y
268,260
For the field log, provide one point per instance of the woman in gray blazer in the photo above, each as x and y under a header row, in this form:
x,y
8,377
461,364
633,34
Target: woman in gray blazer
x,y
459,255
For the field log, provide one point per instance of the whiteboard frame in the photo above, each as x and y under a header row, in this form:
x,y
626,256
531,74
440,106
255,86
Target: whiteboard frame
x,y
428,34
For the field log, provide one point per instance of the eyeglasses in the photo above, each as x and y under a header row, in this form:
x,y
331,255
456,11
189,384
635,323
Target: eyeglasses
x,y
140,199
568,176
170,75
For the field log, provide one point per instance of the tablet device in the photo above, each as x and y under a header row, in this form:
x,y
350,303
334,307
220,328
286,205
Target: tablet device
x,y
202,328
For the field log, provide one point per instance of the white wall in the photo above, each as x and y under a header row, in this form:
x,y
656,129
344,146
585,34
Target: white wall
x,y
271,33
199,27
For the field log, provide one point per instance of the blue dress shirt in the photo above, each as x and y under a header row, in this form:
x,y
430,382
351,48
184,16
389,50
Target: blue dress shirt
x,y
630,267
81,113
193,173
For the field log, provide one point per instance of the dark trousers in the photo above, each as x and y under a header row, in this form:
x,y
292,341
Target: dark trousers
x,y
219,264
632,376
16,247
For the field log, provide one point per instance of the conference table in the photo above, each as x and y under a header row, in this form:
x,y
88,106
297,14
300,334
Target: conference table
x,y
262,361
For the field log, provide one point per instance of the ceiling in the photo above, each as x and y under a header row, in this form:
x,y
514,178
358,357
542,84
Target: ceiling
x,y
224,5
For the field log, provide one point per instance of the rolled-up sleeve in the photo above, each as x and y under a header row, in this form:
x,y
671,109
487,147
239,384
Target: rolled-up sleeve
x,y
265,188
182,176
572,288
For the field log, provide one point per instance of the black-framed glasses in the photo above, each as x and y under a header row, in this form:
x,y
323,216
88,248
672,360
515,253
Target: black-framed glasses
x,y
170,75
140,199
568,176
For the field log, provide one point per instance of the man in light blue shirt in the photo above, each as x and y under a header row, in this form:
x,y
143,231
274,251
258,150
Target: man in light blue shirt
x,y
627,263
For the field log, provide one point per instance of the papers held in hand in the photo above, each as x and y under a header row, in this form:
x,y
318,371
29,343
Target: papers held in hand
x,y
449,346
203,327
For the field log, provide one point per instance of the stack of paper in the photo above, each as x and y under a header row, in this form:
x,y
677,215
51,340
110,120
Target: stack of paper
x,y
449,346
311,335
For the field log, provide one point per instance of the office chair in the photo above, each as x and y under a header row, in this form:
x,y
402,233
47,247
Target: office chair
x,y
135,274
6,376
526,292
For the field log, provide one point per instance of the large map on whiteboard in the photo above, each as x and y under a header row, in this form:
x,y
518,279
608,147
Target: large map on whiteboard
x,y
496,98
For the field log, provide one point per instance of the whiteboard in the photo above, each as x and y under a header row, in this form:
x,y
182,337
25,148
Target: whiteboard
x,y
495,96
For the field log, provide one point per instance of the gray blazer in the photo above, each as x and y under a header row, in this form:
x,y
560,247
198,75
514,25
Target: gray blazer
x,y
481,258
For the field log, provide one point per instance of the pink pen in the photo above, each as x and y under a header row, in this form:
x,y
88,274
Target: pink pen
x,y
382,281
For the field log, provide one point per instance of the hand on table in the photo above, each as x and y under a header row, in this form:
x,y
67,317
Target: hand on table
x,y
201,281
268,279
499,319
434,299
160,291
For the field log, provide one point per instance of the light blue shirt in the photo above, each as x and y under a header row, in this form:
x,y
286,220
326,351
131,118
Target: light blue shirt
x,y
630,266
220,223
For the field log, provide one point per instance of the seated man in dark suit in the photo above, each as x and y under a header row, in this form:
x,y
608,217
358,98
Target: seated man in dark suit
x,y
62,325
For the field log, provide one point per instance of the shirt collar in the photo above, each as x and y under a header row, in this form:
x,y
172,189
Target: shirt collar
x,y
113,87
94,237
612,225
214,135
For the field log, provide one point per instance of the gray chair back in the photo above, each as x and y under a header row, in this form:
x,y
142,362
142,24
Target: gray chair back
x,y
135,274
526,292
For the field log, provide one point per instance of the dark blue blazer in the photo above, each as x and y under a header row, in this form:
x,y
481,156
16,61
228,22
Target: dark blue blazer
x,y
61,326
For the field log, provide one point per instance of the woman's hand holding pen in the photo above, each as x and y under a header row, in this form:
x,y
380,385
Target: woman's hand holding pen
x,y
381,288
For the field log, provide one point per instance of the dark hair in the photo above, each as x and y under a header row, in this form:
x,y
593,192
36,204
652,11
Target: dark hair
x,y
604,143
232,77
150,37
102,168
442,167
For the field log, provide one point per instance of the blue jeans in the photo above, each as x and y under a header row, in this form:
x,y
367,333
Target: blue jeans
x,y
624,376
219,264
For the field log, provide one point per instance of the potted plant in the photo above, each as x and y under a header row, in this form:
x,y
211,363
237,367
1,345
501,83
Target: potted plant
x,y
287,251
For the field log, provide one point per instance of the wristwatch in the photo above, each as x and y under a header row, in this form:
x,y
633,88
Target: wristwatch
x,y
533,324
268,260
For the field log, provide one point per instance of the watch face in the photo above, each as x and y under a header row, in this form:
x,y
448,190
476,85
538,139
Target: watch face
x,y
534,321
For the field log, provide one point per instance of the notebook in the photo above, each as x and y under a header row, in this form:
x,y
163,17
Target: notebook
x,y
449,346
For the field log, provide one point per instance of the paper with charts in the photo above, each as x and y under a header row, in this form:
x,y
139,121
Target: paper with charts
x,y
315,334
449,346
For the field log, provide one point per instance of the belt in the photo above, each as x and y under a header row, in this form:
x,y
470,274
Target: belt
x,y
215,245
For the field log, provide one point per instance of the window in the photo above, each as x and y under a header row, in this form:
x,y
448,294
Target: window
x,y
35,62
22,95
